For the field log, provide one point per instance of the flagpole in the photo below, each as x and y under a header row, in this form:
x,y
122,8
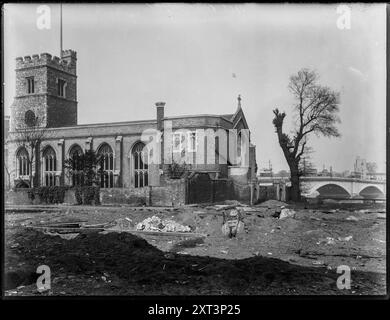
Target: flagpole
x,y
60,29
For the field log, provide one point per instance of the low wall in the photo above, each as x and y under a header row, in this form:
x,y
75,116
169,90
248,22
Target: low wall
x,y
17,197
129,196
172,192
20,197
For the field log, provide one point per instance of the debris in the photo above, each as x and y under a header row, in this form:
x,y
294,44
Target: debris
x,y
224,251
66,236
287,213
352,218
381,216
318,262
249,209
327,240
270,204
379,240
345,239
277,213
331,211
154,223
123,224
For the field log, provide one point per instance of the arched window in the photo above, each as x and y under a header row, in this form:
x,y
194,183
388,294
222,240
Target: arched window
x,y
239,144
75,154
106,166
23,167
140,165
49,167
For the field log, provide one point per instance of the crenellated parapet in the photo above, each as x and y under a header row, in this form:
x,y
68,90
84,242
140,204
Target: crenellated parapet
x,y
66,63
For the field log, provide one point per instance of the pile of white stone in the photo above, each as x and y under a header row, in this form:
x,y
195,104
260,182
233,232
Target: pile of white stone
x,y
154,223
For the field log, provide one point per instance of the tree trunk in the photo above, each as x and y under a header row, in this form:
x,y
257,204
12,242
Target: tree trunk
x,y
295,183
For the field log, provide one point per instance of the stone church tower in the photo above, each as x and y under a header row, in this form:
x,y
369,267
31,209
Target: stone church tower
x,y
46,87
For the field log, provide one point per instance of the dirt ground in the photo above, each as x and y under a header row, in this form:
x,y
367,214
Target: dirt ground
x,y
291,256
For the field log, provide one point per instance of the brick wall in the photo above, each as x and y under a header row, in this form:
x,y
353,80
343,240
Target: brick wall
x,y
20,197
172,192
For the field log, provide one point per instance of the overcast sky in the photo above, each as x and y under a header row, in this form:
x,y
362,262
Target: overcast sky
x,y
198,58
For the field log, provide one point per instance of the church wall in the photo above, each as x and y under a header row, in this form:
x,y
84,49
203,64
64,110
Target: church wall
x,y
61,112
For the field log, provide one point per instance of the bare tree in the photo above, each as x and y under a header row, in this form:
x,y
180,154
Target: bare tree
x,y
29,134
371,167
316,111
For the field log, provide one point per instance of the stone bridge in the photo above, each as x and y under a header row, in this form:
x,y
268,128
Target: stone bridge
x,y
335,187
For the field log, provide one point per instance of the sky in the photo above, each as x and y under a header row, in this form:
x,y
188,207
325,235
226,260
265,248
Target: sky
x,y
198,58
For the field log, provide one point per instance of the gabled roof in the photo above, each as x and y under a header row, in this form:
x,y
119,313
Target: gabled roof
x,y
239,115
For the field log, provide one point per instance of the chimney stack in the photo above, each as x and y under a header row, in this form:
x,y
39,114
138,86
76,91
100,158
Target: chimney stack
x,y
160,115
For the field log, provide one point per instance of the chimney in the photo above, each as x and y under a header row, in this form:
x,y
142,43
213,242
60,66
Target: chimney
x,y
160,115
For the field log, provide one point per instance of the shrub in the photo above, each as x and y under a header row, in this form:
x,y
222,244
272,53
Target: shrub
x,y
87,195
49,195
176,170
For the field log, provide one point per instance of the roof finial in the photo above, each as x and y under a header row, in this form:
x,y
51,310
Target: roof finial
x,y
239,100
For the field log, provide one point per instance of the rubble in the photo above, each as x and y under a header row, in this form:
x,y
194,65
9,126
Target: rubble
x,y
154,223
271,204
352,218
345,239
287,213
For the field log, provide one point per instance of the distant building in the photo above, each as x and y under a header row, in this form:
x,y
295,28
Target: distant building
x,y
265,173
311,172
359,168
377,176
324,173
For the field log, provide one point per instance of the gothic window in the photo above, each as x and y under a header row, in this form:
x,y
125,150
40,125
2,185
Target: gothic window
x,y
106,166
61,88
177,142
75,154
22,159
140,165
239,146
29,118
192,141
49,167
30,84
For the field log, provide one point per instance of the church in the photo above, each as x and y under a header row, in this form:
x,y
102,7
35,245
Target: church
x,y
218,146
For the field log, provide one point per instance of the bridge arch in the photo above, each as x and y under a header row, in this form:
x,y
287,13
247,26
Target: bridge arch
x,y
332,190
327,188
371,191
